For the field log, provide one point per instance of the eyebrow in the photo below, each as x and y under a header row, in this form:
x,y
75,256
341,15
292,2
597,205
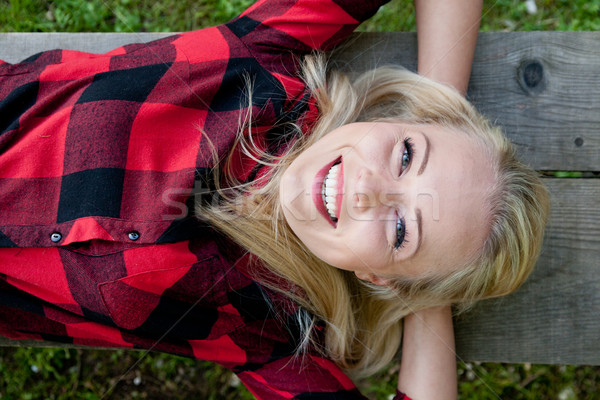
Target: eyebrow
x,y
418,210
425,156
420,232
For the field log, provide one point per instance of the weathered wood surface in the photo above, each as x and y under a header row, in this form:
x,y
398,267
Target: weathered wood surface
x,y
555,123
555,316
15,47
555,120
544,89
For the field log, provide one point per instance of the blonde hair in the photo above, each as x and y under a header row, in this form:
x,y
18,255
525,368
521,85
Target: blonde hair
x,y
363,329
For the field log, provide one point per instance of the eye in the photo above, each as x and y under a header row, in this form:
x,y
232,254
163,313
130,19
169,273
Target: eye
x,y
400,233
407,155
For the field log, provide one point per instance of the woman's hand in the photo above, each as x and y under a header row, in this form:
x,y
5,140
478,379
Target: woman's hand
x,y
428,369
447,33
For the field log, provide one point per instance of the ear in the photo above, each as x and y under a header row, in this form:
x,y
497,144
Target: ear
x,y
370,277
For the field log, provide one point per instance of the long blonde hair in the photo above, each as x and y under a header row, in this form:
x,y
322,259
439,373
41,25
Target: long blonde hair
x,y
363,329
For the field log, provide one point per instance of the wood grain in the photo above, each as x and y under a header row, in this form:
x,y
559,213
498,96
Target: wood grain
x,y
554,317
15,47
544,89
555,124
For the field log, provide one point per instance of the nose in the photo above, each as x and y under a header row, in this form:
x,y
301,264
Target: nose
x,y
374,193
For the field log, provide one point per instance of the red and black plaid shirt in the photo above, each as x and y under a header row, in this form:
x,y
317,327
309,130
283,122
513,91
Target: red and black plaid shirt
x,y
100,160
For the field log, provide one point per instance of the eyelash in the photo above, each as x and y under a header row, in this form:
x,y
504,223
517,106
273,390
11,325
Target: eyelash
x,y
409,151
400,234
400,223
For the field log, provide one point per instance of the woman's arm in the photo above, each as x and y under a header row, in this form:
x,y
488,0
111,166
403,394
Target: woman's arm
x,y
428,369
447,33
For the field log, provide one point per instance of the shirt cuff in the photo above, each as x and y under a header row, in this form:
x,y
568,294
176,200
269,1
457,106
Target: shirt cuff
x,y
401,396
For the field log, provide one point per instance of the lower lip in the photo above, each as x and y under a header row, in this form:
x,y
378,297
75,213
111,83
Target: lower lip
x,y
317,188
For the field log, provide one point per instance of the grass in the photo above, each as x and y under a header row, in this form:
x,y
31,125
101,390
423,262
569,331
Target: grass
x,y
561,15
114,15
72,374
175,15
28,373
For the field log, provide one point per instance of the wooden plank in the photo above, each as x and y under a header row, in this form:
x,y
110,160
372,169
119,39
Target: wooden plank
x,y
556,123
553,318
15,47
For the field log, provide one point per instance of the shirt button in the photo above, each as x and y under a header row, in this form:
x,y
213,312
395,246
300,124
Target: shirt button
x,y
134,235
55,237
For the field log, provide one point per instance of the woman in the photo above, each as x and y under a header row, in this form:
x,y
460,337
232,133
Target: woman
x,y
103,156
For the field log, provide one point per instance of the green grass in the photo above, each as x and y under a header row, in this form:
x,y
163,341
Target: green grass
x,y
115,16
27,373
493,381
175,15
502,15
561,15
71,374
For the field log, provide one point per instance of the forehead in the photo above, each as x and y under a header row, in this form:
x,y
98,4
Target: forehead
x,y
455,221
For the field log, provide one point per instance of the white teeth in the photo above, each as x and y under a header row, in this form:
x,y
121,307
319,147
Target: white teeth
x,y
330,191
333,172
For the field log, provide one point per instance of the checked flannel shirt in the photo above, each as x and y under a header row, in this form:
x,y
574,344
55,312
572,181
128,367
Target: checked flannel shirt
x,y
100,160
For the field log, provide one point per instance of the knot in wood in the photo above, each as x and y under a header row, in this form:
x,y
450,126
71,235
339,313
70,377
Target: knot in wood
x,y
532,77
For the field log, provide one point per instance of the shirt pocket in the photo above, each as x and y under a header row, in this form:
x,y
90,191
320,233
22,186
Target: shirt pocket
x,y
174,304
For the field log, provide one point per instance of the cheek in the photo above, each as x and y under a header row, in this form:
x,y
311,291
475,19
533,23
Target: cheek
x,y
366,246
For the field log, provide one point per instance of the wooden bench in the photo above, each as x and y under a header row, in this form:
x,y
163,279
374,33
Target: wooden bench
x,y
544,89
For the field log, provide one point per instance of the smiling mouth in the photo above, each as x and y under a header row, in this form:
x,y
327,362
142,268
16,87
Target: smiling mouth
x,y
329,191
327,196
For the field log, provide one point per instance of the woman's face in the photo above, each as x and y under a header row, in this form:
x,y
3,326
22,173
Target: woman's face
x,y
400,200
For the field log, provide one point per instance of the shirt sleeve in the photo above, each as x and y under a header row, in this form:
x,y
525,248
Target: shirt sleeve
x,y
302,377
299,377
301,25
262,352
